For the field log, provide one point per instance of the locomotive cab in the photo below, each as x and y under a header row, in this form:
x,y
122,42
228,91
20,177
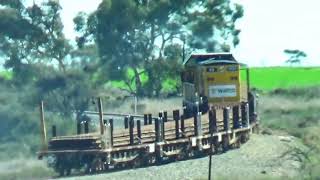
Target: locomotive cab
x,y
212,79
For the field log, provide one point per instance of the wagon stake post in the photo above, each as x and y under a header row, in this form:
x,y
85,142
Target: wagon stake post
x,y
43,128
101,116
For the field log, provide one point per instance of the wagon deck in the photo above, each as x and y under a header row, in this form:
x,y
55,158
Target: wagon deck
x,y
146,140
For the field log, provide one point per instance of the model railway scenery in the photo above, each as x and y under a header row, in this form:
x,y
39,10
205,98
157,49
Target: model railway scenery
x,y
169,89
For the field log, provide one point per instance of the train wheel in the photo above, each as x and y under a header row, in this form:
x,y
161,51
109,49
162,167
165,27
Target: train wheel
x,y
105,166
192,153
211,150
60,165
237,144
225,143
150,160
255,129
68,171
136,163
173,158
216,148
61,172
244,138
159,160
86,169
182,155
90,169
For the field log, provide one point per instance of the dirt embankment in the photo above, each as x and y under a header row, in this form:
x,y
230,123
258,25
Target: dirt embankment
x,y
263,157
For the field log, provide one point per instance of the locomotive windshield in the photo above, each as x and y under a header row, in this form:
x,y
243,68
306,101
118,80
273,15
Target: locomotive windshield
x,y
210,58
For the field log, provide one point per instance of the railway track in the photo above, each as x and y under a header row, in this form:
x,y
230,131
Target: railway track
x,y
146,140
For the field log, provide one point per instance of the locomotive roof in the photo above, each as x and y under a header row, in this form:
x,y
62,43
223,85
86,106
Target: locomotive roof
x,y
210,58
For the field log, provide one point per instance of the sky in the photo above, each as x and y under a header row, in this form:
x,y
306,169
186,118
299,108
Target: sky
x,y
270,26
267,29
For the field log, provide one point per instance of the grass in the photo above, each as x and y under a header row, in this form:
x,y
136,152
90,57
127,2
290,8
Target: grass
x,y
293,111
270,78
241,177
262,78
296,112
291,106
24,169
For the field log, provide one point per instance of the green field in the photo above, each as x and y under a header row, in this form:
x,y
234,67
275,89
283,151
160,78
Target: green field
x,y
262,78
269,78
265,78
6,75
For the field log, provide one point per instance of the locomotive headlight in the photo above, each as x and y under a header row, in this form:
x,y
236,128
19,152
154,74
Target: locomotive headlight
x,y
211,69
232,68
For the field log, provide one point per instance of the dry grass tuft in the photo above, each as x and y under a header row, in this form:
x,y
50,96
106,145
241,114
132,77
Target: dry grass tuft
x,y
285,103
25,169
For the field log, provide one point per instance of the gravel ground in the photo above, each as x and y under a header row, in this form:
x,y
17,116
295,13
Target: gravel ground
x,y
262,157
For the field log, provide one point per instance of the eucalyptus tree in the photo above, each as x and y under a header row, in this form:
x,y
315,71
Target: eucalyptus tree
x,y
295,56
146,35
32,37
35,49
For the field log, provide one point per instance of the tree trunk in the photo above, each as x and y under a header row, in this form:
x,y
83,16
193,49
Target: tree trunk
x,y
139,90
62,67
157,88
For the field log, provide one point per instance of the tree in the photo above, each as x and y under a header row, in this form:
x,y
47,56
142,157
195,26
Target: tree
x,y
44,67
138,34
35,49
295,56
32,36
67,93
